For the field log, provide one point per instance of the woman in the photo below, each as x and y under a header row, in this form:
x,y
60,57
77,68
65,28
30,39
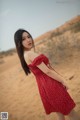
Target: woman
x,y
52,89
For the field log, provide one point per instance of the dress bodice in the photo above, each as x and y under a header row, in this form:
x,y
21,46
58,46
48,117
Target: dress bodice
x,y
38,60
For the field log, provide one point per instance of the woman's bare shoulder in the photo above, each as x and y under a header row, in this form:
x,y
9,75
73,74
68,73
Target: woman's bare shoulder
x,y
32,55
26,58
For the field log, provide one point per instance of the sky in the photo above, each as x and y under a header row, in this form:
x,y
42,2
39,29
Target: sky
x,y
35,16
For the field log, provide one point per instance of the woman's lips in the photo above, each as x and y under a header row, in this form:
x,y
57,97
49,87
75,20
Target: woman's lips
x,y
29,43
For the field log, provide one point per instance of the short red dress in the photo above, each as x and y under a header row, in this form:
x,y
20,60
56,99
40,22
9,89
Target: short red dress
x,y
54,96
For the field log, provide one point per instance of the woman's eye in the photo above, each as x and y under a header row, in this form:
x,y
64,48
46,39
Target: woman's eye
x,y
23,39
29,36
26,37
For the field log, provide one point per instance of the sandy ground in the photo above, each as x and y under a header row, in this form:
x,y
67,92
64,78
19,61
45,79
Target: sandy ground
x,y
19,94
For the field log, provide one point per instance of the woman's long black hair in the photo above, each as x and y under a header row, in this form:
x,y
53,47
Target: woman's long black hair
x,y
20,49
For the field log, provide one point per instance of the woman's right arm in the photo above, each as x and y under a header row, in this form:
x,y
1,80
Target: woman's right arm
x,y
52,74
56,76
51,67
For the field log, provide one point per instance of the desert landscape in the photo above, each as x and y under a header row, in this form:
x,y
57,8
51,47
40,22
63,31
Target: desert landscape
x,y
19,95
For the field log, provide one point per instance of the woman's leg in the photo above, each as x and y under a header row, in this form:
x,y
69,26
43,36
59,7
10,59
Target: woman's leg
x,y
46,117
60,116
73,115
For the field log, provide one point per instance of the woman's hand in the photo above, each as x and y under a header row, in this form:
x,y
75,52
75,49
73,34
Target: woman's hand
x,y
65,86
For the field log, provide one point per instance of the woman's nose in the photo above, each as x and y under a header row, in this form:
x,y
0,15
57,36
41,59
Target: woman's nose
x,y
28,39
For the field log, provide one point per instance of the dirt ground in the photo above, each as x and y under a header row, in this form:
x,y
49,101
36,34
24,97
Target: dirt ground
x,y
19,94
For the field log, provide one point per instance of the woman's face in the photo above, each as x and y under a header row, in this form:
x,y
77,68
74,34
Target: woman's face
x,y
27,41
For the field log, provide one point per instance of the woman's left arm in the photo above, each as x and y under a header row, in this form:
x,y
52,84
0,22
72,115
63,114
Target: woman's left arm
x,y
51,67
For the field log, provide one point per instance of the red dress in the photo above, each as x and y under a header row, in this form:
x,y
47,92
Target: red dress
x,y
54,96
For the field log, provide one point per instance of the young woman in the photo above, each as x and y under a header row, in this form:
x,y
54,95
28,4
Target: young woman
x,y
52,89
